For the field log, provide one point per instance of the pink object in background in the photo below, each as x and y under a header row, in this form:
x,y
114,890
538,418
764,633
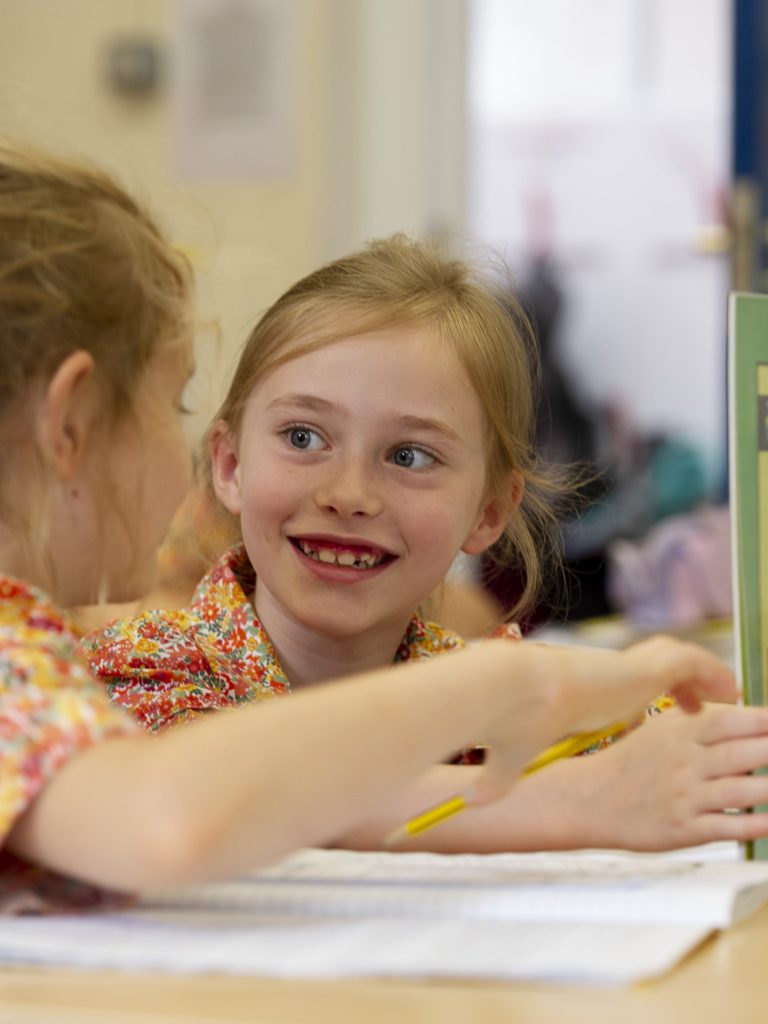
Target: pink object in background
x,y
680,574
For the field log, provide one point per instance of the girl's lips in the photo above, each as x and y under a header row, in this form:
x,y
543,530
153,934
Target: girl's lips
x,y
352,557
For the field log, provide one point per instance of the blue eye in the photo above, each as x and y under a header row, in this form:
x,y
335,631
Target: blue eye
x,y
409,457
304,439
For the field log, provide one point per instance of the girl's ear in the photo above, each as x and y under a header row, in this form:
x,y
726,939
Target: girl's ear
x,y
225,467
494,515
66,414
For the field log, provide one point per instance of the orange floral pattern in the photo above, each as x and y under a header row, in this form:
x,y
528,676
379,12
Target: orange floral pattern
x,y
50,708
168,667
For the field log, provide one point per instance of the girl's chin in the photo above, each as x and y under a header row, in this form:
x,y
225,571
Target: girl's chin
x,y
347,624
336,629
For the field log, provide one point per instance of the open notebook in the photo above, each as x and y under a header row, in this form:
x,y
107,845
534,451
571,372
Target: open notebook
x,y
587,917
748,486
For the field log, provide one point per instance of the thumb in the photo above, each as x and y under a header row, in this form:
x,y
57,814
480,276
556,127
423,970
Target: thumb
x,y
500,773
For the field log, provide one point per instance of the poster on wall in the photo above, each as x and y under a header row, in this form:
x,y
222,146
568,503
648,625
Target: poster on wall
x,y
235,85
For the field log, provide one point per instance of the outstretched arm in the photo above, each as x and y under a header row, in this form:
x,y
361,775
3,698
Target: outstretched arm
x,y
241,788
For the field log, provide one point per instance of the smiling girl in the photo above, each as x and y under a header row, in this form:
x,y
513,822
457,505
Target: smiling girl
x,y
380,421
358,474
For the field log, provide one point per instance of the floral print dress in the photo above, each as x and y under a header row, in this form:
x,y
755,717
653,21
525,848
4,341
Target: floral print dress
x,y
50,709
167,667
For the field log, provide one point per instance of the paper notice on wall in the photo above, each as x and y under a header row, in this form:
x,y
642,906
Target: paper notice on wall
x,y
235,77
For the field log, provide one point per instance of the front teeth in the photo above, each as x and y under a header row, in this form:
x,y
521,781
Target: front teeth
x,y
366,560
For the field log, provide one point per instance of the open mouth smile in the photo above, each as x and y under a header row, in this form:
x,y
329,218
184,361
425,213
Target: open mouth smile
x,y
348,556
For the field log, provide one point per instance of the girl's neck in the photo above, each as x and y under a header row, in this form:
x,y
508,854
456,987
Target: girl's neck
x,y
308,656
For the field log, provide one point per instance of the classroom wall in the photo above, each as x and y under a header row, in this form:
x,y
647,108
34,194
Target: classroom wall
x,y
250,238
374,84
396,155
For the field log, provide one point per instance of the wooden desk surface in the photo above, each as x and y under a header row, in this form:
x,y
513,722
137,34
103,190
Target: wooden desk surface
x,y
725,981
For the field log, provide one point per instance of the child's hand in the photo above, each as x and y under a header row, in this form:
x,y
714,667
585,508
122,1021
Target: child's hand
x,y
693,674
568,690
668,783
602,686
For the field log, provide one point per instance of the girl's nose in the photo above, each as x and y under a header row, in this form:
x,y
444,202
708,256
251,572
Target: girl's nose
x,y
349,490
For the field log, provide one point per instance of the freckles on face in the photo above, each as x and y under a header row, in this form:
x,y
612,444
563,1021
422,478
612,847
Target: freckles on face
x,y
358,473
389,419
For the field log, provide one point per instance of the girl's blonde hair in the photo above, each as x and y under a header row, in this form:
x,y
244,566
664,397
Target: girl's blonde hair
x,y
397,282
82,267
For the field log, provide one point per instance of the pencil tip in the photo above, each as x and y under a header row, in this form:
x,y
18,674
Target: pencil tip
x,y
394,837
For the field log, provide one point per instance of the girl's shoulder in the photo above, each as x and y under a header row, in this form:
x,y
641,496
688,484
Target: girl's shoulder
x,y
425,639
151,633
43,671
166,635
25,608
37,640
168,666
51,708
228,583
506,631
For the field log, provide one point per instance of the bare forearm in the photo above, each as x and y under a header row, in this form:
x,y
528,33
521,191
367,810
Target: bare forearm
x,y
551,810
323,759
240,788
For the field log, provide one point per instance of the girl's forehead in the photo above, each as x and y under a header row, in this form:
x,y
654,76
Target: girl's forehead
x,y
399,342
397,369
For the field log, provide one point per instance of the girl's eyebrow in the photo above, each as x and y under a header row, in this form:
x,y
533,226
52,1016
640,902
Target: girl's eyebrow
x,y
313,402
425,423
407,423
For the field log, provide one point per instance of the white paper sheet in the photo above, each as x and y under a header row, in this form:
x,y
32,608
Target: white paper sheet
x,y
339,914
289,948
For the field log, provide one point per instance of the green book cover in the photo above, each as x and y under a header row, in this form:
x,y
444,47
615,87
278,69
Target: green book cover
x,y
748,485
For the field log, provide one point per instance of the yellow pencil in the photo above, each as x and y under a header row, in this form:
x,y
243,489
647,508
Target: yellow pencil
x,y
568,747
